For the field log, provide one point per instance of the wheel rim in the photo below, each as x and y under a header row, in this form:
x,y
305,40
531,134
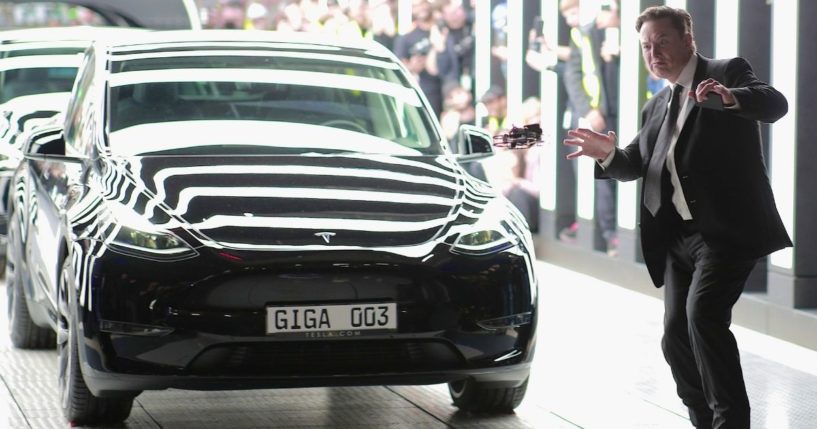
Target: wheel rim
x,y
65,345
457,388
9,293
65,363
11,281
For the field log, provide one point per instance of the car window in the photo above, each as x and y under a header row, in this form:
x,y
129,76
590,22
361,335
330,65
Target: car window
x,y
30,81
365,96
13,53
37,71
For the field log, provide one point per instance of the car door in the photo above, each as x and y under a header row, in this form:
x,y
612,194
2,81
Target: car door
x,y
50,179
55,167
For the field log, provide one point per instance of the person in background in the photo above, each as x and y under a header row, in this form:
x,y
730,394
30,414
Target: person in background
x,y
654,85
499,40
592,86
291,18
413,48
256,17
383,25
458,109
707,208
339,20
496,104
545,56
452,40
520,181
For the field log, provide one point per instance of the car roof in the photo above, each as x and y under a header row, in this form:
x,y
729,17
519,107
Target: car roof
x,y
85,34
193,39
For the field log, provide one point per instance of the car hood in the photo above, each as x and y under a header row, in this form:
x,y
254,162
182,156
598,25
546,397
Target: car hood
x,y
276,202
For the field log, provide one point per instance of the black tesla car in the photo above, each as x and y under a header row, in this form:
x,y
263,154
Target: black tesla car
x,y
230,210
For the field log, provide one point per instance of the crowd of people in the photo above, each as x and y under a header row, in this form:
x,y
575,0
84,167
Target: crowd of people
x,y
437,49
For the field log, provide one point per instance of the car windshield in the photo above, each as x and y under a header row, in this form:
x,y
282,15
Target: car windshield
x,y
266,102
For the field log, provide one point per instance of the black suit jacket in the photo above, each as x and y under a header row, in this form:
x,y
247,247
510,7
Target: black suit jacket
x,y
720,164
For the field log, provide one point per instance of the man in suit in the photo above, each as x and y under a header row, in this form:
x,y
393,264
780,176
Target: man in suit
x,y
707,211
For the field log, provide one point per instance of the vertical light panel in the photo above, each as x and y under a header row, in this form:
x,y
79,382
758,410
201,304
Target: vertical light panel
x,y
783,136
726,25
679,4
586,182
516,60
403,16
482,47
628,110
550,113
585,187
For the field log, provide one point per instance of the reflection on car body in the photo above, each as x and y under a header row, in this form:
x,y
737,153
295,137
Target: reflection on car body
x,y
37,70
240,210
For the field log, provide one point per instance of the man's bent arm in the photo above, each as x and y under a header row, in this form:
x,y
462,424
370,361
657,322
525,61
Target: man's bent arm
x,y
625,164
758,100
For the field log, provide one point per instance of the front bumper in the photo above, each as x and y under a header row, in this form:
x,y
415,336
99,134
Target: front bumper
x,y
205,321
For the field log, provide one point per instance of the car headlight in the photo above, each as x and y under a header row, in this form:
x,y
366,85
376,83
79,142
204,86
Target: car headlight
x,y
150,244
491,233
497,238
134,234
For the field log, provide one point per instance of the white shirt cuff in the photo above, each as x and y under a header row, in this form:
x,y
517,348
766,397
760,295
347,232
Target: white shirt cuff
x,y
607,161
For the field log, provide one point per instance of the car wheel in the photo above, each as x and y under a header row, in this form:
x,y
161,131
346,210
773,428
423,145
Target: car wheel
x,y
25,334
79,405
476,397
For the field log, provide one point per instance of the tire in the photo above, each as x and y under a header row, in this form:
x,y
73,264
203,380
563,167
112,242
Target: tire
x,y
473,396
25,334
79,406
3,267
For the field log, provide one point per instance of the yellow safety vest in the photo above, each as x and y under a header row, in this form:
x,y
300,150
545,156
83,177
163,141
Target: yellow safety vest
x,y
495,125
590,80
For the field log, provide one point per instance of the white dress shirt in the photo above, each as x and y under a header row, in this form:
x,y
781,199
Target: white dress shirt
x,y
686,104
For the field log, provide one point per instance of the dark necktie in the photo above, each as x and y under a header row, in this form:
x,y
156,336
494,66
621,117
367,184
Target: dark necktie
x,y
652,181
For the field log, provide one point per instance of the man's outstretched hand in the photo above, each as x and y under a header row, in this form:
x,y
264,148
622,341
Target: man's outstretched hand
x,y
590,143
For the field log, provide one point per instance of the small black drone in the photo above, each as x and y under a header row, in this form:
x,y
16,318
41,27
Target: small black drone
x,y
519,137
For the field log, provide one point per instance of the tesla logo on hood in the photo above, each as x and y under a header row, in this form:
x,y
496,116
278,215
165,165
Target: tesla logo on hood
x,y
325,235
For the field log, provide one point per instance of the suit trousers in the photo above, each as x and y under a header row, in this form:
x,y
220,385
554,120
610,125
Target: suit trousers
x,y
701,287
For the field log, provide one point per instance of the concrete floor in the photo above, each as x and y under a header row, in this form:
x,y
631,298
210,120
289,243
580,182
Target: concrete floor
x,y
598,365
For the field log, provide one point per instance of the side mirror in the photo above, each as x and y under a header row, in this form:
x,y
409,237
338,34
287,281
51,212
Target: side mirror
x,y
44,141
474,144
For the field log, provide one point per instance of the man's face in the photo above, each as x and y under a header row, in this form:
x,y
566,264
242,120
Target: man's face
x,y
496,106
571,16
416,63
666,51
454,15
421,10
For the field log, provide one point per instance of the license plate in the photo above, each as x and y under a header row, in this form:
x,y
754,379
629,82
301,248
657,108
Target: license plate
x,y
329,318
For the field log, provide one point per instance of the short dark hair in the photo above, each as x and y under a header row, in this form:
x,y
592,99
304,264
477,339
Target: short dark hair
x,y
680,19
